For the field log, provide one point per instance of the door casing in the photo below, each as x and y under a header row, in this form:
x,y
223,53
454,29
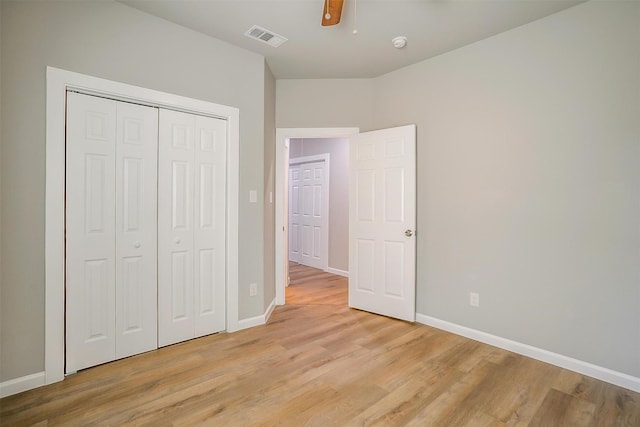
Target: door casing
x,y
58,82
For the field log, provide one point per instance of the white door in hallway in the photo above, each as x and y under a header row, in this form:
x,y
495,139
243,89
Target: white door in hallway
x,y
382,222
191,226
110,230
294,213
308,222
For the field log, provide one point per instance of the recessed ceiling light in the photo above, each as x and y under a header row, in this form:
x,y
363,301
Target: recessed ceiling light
x,y
399,42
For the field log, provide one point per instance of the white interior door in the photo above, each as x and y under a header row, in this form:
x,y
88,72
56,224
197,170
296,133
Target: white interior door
x,y
191,226
294,213
312,215
175,227
90,231
382,220
110,230
136,229
210,225
308,213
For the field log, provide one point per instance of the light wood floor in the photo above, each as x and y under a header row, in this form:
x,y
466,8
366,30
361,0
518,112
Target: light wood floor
x,y
320,363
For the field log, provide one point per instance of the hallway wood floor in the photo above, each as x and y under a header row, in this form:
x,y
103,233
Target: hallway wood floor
x,y
319,363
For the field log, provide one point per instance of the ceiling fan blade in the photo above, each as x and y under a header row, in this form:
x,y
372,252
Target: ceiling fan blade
x,y
334,9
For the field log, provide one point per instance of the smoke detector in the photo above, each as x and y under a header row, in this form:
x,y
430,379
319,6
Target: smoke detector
x,y
265,36
399,42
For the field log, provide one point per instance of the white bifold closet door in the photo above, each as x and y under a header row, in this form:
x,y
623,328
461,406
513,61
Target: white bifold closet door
x,y
111,229
191,226
308,237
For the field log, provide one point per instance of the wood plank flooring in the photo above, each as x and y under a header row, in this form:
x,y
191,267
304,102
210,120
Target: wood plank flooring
x,y
319,363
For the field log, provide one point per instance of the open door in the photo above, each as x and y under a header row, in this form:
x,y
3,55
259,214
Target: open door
x,y
382,222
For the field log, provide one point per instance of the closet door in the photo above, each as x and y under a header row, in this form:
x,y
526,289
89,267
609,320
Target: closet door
x,y
136,229
191,226
175,227
210,225
111,212
295,224
312,236
90,231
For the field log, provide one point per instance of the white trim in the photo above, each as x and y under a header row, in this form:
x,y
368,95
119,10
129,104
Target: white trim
x,y
282,169
58,81
326,196
18,385
337,272
269,312
309,159
257,320
585,368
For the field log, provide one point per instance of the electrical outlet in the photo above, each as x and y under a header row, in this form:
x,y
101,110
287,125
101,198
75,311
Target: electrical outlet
x,y
474,299
253,289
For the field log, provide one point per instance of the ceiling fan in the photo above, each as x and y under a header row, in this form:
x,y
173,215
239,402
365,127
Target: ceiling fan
x,y
332,12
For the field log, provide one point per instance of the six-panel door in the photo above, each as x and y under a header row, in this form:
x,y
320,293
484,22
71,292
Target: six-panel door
x,y
191,226
382,220
110,230
123,212
307,214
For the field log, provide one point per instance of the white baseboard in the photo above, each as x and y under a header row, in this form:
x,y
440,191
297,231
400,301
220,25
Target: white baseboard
x,y
267,314
585,368
337,272
257,320
18,385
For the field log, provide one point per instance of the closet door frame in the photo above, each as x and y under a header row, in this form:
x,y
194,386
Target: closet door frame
x,y
58,83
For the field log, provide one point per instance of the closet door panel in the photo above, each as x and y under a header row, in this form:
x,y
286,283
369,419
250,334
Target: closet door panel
x,y
90,229
175,227
136,229
209,221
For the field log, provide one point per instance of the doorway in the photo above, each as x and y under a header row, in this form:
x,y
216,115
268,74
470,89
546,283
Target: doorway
x,y
283,142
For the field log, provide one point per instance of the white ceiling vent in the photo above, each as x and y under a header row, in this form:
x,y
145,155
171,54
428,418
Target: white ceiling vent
x,y
265,36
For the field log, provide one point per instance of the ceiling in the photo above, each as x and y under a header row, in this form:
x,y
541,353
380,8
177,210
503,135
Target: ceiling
x,y
312,51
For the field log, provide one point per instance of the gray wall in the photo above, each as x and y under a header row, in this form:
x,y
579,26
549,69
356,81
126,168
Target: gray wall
x,y
324,103
528,179
269,185
338,149
113,41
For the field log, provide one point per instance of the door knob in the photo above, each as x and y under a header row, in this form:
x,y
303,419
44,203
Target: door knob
x,y
137,245
176,240
408,233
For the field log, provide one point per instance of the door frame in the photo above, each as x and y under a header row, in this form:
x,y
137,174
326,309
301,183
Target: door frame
x,y
326,194
58,81
283,135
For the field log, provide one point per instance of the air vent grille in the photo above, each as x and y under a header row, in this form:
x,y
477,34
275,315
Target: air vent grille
x,y
265,36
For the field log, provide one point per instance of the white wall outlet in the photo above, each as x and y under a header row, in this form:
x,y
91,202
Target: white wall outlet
x,y
253,289
474,299
253,196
